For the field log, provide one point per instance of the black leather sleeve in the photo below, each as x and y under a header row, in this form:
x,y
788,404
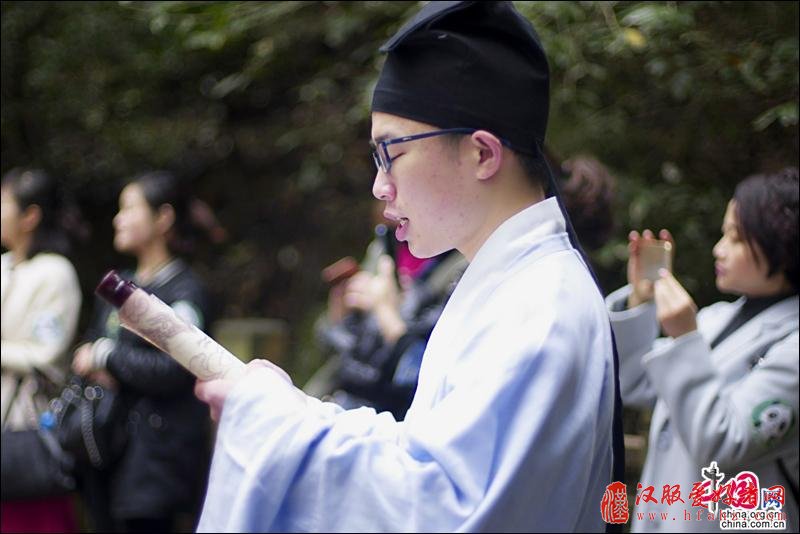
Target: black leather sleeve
x,y
147,370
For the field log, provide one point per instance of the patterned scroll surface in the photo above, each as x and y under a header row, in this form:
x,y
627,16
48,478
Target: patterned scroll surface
x,y
150,318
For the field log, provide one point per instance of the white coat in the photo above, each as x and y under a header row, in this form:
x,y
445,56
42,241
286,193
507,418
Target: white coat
x,y
41,302
709,405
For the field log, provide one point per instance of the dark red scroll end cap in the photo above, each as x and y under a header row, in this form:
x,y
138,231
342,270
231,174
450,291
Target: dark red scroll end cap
x,y
115,289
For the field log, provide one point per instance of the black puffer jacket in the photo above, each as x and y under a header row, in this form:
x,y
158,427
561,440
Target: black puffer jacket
x,y
164,467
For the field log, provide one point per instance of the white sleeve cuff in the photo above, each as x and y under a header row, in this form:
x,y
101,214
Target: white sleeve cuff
x,y
635,328
101,349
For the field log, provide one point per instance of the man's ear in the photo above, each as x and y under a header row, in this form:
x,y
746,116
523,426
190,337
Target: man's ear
x,y
489,154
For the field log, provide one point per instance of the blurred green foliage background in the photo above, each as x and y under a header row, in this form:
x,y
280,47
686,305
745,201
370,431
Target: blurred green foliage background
x,y
264,106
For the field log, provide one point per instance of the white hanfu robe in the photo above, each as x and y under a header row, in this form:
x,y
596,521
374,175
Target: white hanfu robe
x,y
510,428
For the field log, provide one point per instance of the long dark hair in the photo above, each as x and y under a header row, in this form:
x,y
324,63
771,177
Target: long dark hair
x,y
767,213
61,222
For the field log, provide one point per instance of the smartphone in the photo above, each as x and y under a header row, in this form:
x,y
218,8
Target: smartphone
x,y
340,270
654,255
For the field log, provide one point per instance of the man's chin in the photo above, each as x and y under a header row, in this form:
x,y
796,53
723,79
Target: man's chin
x,y
424,252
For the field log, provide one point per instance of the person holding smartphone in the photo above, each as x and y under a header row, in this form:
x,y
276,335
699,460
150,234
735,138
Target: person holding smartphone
x,y
723,382
385,320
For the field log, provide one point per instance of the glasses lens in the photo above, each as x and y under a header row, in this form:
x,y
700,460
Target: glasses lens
x,y
381,158
383,155
376,159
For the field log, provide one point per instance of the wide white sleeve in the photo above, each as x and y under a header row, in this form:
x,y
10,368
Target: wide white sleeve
x,y
55,306
285,461
717,421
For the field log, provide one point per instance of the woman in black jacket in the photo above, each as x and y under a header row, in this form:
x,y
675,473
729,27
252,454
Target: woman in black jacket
x,y
161,473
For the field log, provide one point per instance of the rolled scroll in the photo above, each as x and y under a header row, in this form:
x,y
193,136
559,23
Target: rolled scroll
x,y
149,317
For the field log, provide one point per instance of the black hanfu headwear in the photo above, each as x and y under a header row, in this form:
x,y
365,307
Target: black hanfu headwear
x,y
468,65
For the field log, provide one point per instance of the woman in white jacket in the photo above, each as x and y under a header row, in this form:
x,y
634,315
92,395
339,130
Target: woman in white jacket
x,y
722,383
41,301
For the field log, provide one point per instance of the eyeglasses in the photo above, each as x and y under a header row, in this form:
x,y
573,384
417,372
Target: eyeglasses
x,y
380,154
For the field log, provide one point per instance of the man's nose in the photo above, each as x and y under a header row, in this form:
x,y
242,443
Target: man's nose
x,y
382,188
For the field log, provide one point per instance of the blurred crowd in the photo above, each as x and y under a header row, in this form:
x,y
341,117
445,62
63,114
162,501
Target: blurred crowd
x,y
149,472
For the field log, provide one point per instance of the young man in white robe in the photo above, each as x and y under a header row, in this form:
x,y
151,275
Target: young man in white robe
x,y
511,426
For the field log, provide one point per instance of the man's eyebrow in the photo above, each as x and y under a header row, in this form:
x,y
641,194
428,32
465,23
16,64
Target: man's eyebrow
x,y
383,137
